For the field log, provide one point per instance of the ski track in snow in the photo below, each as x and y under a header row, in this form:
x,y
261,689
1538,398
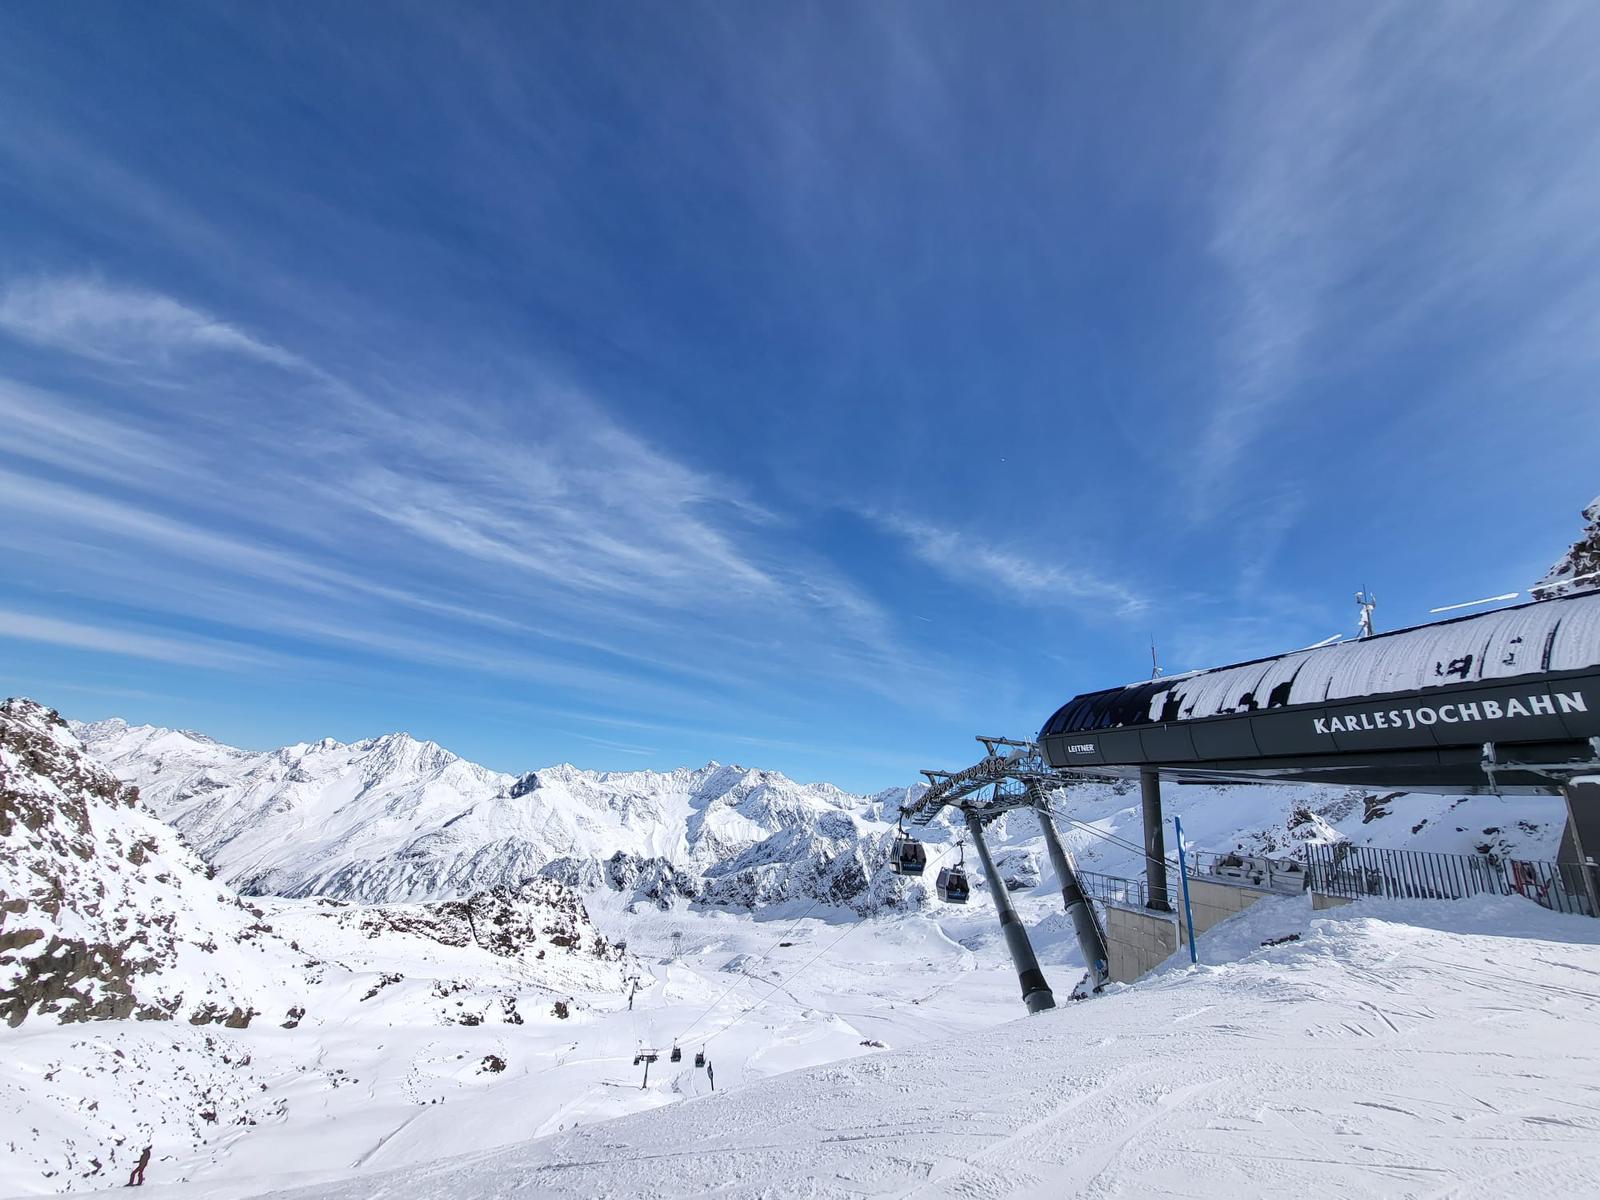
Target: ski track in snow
x,y
1397,1049
373,1084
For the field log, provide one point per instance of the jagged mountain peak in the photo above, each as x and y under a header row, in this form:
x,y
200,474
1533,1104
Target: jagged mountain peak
x,y
392,818
1579,568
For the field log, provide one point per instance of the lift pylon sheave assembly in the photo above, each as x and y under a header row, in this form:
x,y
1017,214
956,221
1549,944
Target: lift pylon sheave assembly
x,y
646,1055
1010,776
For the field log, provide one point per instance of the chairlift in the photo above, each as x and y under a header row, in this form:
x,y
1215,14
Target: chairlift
x,y
952,881
677,1054
700,1057
907,856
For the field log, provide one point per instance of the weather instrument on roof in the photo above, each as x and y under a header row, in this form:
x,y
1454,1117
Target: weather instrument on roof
x,y
1366,602
951,883
907,856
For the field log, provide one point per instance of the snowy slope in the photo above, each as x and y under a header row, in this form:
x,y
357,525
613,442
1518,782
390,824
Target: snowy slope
x,y
1399,1050
414,1050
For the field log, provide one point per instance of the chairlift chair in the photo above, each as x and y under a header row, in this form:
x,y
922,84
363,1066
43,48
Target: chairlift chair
x,y
700,1058
677,1054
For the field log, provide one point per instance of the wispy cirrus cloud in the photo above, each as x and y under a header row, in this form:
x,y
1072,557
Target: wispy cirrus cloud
x,y
187,651
1350,216
980,563
538,520
94,319
44,427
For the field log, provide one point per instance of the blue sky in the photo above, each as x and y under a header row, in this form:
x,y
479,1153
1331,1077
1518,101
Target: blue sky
x,y
811,386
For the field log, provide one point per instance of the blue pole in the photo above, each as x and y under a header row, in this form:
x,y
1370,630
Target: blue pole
x,y
1183,874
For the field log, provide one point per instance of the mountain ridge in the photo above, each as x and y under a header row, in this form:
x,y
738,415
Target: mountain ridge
x,y
395,819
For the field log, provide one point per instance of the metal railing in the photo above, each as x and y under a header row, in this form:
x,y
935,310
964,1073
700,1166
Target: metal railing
x,y
1113,889
1354,872
1286,875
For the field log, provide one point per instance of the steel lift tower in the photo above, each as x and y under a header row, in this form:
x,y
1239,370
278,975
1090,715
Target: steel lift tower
x,y
1014,775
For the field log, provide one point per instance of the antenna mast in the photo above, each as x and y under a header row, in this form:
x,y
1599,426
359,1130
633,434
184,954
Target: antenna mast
x,y
1366,601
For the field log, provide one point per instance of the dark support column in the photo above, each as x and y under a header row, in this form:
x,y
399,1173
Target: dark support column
x,y
1580,845
1036,992
1090,940
1155,841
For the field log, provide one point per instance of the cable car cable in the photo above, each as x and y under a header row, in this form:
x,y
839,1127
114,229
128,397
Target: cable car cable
x,y
854,925
778,941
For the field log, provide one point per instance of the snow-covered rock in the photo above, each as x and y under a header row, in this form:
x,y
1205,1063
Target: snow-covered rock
x,y
1579,568
104,913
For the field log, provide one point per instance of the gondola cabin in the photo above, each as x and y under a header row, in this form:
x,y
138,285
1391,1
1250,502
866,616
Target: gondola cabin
x,y
908,856
952,885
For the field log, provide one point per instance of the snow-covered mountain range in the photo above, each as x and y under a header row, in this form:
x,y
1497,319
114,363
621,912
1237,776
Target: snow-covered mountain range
x,y
396,819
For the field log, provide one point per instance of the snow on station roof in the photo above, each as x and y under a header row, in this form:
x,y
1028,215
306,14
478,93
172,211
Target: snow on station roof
x,y
1549,636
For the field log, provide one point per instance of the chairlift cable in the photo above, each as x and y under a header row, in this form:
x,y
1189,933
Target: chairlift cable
x,y
779,940
854,925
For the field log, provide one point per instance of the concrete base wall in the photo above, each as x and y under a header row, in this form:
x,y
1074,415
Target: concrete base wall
x,y
1321,900
1214,903
1137,941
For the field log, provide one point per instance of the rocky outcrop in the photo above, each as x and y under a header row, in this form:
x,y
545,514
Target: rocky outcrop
x,y
525,921
104,914
1579,568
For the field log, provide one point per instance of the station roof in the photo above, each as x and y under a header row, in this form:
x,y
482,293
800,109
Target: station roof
x,y
1426,708
1530,639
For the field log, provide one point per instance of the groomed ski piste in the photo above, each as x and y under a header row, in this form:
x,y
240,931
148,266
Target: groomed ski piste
x,y
1391,1049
